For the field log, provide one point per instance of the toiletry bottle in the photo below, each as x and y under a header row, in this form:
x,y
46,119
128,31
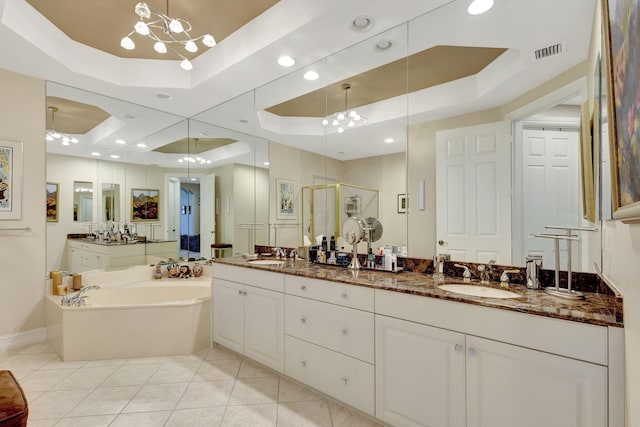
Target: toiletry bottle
x,y
371,259
332,243
324,243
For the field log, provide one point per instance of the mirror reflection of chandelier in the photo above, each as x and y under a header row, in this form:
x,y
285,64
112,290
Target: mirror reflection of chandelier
x,y
343,120
53,135
166,32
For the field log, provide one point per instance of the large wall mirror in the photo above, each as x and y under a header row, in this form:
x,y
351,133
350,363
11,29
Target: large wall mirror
x,y
265,167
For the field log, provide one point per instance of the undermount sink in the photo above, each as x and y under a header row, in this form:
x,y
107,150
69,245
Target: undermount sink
x,y
479,291
274,262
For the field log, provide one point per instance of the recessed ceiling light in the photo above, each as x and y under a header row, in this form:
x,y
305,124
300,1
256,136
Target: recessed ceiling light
x,y
389,140
141,145
384,44
129,116
311,75
121,141
95,153
203,133
266,163
286,61
362,23
114,156
479,6
194,179
163,95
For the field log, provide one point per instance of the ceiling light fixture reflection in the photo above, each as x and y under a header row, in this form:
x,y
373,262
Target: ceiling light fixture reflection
x,y
286,61
192,159
121,141
166,32
114,156
389,140
311,75
343,120
95,153
478,7
141,145
53,135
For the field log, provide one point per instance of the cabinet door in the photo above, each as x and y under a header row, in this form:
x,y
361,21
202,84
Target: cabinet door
x,y
264,327
419,374
228,314
514,386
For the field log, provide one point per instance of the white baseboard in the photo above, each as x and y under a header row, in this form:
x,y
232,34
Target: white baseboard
x,y
19,339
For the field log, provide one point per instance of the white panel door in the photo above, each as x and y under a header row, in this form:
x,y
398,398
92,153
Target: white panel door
x,y
228,314
419,374
550,192
510,386
473,193
207,213
173,211
264,327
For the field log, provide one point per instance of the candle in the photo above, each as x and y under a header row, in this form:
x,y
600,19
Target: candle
x,y
76,282
56,279
61,289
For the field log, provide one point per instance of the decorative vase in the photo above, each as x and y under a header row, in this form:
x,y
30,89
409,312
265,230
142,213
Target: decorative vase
x,y
197,269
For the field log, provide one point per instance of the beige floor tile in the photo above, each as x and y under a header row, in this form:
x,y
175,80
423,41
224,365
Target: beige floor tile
x,y
312,413
86,378
199,417
105,362
55,403
141,419
131,375
250,415
251,391
252,370
44,379
292,392
158,360
57,363
28,362
175,372
42,423
343,417
104,401
218,352
156,397
20,375
217,369
93,421
203,394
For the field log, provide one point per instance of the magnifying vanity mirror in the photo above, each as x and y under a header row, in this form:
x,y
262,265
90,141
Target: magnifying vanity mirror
x,y
406,84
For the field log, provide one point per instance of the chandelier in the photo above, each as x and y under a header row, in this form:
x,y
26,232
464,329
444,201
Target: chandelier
x,y
52,134
166,32
347,118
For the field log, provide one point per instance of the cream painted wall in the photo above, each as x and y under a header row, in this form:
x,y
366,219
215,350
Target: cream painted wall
x,y
22,262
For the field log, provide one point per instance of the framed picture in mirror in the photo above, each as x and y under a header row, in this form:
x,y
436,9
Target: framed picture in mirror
x,y
10,180
402,203
586,161
144,205
285,199
52,202
621,22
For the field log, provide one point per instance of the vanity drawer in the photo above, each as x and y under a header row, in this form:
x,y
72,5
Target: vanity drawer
x,y
339,376
338,328
333,292
250,276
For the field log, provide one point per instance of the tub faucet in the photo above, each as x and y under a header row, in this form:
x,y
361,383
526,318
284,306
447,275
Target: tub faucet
x,y
280,253
466,275
77,300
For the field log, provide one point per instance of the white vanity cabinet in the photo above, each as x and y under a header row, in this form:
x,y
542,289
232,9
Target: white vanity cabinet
x,y
248,313
83,256
329,343
431,376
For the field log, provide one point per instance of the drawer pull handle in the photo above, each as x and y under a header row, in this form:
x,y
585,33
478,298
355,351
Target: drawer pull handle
x,y
345,381
345,331
303,320
303,288
239,292
345,295
472,351
458,347
303,364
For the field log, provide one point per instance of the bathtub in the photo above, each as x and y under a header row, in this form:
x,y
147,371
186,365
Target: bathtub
x,y
139,319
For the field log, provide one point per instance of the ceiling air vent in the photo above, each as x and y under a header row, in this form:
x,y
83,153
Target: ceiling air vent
x,y
553,49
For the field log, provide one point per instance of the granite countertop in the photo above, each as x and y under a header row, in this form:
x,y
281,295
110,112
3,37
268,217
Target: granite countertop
x,y
596,309
117,243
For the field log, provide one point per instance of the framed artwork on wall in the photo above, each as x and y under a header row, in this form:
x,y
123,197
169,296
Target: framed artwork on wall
x,y
52,202
145,204
10,180
586,162
621,22
285,199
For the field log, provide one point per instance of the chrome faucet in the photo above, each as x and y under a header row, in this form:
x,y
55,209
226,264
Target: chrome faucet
x,y
504,277
484,271
466,275
77,300
438,265
293,254
280,253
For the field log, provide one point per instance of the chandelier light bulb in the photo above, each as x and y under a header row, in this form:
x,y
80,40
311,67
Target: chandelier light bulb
x,y
141,28
176,26
340,129
351,123
478,7
56,135
160,47
48,137
190,46
208,40
127,43
325,122
74,140
335,123
65,142
341,116
142,10
186,65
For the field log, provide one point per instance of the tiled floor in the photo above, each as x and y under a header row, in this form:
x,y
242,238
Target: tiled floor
x,y
210,388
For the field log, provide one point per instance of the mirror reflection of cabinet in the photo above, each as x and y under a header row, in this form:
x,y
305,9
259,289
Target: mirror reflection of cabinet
x,y
82,201
110,202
